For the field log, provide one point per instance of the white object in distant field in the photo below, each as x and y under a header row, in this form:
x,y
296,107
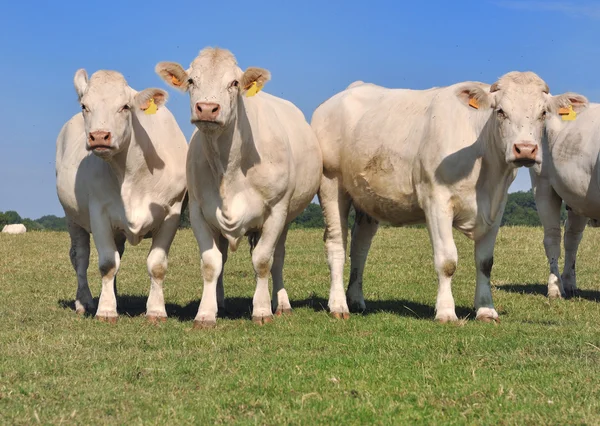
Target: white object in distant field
x,y
17,228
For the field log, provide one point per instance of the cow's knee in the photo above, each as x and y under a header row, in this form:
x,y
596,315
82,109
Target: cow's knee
x,y
157,266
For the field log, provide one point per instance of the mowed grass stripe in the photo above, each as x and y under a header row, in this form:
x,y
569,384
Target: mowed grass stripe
x,y
393,364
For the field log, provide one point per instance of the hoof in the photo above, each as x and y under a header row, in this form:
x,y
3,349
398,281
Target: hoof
x,y
487,318
204,324
110,320
572,292
155,319
279,312
444,318
556,294
340,315
487,315
80,311
358,308
262,320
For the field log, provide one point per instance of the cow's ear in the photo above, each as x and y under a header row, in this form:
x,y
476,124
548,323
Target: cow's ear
x,y
564,101
473,95
174,75
81,81
254,79
149,100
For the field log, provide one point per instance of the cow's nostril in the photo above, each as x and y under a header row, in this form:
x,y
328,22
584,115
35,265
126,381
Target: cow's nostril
x,y
517,149
215,109
106,137
199,108
92,137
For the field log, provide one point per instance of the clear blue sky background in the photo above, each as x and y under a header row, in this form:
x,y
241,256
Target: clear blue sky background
x,y
313,49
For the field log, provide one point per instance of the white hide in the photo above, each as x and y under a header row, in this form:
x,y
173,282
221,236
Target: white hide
x,y
126,182
254,164
569,172
17,228
445,156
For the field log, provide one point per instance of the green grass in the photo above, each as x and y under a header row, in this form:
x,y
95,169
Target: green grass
x,y
394,364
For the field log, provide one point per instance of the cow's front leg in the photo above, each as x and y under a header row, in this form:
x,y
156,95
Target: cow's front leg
x,y
335,203
573,233
157,267
363,231
280,303
445,259
80,259
262,260
108,264
212,265
484,260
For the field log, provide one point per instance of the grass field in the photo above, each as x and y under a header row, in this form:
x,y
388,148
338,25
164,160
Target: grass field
x,y
393,364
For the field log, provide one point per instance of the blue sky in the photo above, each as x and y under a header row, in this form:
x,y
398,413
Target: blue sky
x,y
313,49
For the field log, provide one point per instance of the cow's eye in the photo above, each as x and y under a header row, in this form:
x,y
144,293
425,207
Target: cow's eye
x,y
125,107
543,115
83,107
235,83
501,113
190,81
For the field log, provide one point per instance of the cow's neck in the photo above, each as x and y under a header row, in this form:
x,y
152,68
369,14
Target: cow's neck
x,y
496,175
129,165
224,151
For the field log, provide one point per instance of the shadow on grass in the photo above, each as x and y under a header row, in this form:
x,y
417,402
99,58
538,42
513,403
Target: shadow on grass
x,y
133,305
541,289
241,307
401,307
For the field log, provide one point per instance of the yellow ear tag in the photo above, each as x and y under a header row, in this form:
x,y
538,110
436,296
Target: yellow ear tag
x,y
473,103
152,108
567,114
253,89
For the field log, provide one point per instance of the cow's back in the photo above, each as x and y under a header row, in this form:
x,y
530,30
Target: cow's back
x,y
393,148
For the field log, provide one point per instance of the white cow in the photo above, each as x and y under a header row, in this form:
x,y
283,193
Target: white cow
x,y
120,176
444,156
253,165
17,228
569,172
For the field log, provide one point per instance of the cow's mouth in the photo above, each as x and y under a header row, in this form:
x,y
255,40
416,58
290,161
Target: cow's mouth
x,y
524,162
207,123
101,148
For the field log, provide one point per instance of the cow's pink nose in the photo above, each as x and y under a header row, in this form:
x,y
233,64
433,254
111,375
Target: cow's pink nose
x,y
100,138
525,152
207,111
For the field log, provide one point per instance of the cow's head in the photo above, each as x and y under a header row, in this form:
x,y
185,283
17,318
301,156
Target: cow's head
x,y
521,102
214,82
107,104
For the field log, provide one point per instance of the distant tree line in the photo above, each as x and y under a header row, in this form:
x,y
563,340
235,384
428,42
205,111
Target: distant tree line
x,y
520,211
44,223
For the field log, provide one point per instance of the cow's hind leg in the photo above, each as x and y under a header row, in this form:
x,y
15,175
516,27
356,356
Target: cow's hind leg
x,y
574,228
363,231
120,240
445,258
80,259
548,206
335,203
280,303
157,268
